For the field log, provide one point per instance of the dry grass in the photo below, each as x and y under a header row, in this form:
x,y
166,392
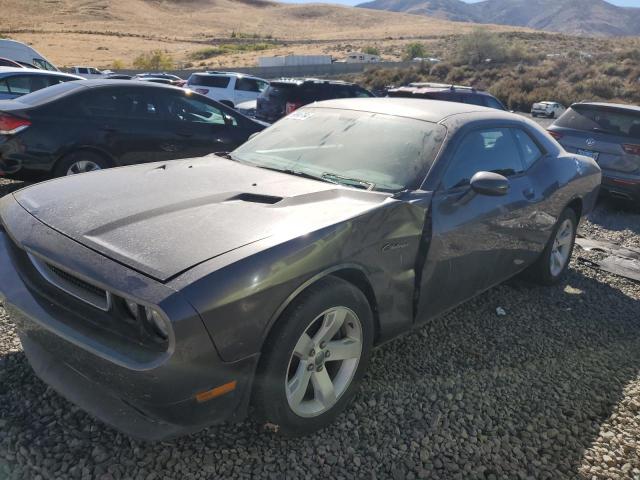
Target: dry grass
x,y
98,31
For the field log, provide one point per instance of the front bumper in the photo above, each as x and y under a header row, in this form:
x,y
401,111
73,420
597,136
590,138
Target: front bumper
x,y
148,395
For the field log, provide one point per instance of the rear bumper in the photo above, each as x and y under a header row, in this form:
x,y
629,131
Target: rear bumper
x,y
150,396
622,186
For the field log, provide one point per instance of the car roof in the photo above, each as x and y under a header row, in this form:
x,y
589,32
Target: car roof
x,y
301,81
420,109
215,73
436,88
619,106
5,71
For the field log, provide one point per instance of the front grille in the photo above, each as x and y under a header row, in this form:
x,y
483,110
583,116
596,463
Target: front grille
x,y
72,285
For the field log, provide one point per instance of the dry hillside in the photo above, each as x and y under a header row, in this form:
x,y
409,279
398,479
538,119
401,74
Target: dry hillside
x,y
100,31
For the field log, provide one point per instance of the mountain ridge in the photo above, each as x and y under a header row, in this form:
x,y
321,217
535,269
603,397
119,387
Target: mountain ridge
x,y
581,17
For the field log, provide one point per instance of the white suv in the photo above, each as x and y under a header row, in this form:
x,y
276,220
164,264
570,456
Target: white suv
x,y
547,109
230,88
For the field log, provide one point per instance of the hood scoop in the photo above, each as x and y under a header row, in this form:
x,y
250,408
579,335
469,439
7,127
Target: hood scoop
x,y
254,198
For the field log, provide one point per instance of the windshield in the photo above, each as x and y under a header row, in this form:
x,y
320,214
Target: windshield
x,y
360,149
602,119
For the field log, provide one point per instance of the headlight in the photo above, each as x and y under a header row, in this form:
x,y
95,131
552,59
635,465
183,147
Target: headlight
x,y
157,322
151,317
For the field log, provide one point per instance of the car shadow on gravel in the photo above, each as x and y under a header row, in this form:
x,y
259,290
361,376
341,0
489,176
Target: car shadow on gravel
x,y
614,214
471,395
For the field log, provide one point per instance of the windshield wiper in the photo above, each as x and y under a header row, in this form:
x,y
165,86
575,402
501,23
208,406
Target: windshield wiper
x,y
353,182
297,173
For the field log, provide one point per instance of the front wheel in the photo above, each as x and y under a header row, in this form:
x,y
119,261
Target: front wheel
x,y
553,263
82,161
315,358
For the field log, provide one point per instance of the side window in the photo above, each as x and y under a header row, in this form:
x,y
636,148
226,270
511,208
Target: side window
x,y
473,99
115,103
83,71
184,109
490,150
493,103
4,88
23,84
262,85
247,85
360,93
530,151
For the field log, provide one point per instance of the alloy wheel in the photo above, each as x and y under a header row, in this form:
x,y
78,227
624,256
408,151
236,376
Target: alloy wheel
x,y
324,362
561,248
83,166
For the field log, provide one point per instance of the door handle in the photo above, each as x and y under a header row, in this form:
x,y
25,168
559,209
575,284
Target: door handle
x,y
168,147
529,193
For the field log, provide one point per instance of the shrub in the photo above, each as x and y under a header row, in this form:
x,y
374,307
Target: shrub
x,y
414,50
228,48
440,70
117,64
479,46
371,50
154,60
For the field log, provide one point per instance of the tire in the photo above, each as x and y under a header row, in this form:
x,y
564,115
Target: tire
x,y
542,271
552,115
312,313
74,162
534,115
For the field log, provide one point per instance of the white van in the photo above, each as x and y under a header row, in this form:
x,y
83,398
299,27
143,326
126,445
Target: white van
x,y
21,53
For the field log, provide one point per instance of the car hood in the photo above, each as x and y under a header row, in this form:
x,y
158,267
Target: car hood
x,y
163,218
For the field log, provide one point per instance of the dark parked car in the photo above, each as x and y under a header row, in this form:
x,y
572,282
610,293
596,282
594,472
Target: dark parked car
x,y
448,93
610,134
16,82
93,124
5,62
166,297
158,77
287,95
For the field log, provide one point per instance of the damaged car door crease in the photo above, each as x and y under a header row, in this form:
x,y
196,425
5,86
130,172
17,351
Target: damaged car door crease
x,y
263,282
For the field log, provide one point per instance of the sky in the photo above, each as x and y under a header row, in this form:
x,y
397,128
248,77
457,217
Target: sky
x,y
623,3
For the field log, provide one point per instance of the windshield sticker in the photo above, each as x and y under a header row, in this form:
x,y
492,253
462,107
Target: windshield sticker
x,y
300,115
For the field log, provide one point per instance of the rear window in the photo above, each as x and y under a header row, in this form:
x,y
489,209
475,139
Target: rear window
x,y
601,119
284,91
212,81
48,94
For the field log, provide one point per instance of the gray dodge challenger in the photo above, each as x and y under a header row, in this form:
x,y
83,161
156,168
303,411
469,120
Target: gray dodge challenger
x,y
166,297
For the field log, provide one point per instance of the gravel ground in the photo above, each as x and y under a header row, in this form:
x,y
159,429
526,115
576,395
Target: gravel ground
x,y
549,390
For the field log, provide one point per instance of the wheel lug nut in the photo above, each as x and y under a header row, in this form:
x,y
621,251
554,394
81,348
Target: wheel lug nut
x,y
319,368
327,354
310,367
312,353
322,344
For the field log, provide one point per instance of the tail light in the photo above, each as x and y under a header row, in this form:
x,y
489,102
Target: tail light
x,y
555,135
291,107
202,91
10,125
631,149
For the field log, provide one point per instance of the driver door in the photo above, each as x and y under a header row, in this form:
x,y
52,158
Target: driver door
x,y
476,239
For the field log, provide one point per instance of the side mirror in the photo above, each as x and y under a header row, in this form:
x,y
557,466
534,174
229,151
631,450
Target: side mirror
x,y
228,120
489,183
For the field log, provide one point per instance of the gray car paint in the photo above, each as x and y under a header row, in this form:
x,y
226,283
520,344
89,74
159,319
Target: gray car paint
x,y
238,259
615,163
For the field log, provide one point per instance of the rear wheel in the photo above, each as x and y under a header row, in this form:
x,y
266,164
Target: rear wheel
x,y
552,115
82,161
315,358
554,261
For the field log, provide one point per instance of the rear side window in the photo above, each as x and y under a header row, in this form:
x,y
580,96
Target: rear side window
x,y
213,81
83,70
4,88
530,151
491,150
283,91
193,110
602,120
114,103
23,84
249,85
